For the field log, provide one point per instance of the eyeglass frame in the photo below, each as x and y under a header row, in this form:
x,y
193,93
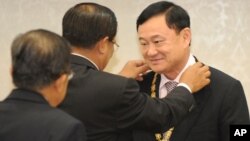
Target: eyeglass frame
x,y
115,43
70,75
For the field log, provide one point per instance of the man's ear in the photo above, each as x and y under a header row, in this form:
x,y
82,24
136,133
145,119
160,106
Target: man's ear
x,y
186,35
61,83
11,71
102,45
55,93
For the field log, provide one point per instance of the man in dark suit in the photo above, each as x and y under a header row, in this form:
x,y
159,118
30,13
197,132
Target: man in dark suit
x,y
164,37
40,71
110,105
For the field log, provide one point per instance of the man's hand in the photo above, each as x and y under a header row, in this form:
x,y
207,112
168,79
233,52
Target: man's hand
x,y
134,69
196,76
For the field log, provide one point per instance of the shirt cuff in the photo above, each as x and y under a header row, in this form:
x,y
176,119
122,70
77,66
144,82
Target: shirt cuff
x,y
186,86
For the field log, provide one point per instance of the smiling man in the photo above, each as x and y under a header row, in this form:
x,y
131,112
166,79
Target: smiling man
x,y
164,35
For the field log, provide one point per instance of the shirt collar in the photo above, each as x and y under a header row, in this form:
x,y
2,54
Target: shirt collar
x,y
164,79
86,59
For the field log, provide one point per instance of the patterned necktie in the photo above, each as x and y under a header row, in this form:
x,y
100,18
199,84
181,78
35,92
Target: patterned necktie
x,y
170,85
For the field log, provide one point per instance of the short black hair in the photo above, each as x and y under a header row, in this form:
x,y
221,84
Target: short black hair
x,y
38,58
176,17
87,23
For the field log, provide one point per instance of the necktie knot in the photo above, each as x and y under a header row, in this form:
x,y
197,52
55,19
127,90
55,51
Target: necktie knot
x,y
170,85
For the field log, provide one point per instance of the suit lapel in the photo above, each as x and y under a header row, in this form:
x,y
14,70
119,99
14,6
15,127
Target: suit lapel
x,y
182,130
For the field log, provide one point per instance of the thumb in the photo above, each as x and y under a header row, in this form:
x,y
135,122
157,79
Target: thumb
x,y
142,68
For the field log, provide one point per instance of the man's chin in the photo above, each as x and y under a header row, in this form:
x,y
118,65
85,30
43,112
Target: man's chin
x,y
157,69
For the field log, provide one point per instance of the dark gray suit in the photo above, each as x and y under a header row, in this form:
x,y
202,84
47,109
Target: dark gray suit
x,y
219,104
27,116
110,106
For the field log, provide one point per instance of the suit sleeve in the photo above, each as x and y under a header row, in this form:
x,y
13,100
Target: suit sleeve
x,y
152,114
234,110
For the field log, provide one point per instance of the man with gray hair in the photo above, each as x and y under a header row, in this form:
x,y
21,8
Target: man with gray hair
x,y
40,72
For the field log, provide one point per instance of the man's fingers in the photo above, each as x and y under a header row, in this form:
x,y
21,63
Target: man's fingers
x,y
208,74
205,70
143,68
199,64
139,62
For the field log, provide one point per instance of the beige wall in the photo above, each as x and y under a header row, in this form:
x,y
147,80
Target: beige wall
x,y
220,31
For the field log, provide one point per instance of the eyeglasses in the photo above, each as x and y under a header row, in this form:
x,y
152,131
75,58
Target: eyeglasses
x,y
116,45
70,75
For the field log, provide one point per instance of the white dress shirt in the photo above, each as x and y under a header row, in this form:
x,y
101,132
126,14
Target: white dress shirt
x,y
164,79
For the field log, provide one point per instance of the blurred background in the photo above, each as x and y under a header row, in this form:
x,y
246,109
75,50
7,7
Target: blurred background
x,y
220,31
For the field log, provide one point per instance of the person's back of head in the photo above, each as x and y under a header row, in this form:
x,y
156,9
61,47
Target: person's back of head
x,y
176,17
39,58
87,23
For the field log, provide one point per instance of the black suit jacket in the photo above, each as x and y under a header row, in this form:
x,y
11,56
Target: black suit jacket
x,y
110,105
27,116
219,104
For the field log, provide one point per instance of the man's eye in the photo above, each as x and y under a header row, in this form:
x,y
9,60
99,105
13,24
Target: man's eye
x,y
143,44
157,42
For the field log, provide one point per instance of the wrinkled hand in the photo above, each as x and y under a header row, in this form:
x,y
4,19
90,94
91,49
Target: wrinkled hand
x,y
196,76
134,69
